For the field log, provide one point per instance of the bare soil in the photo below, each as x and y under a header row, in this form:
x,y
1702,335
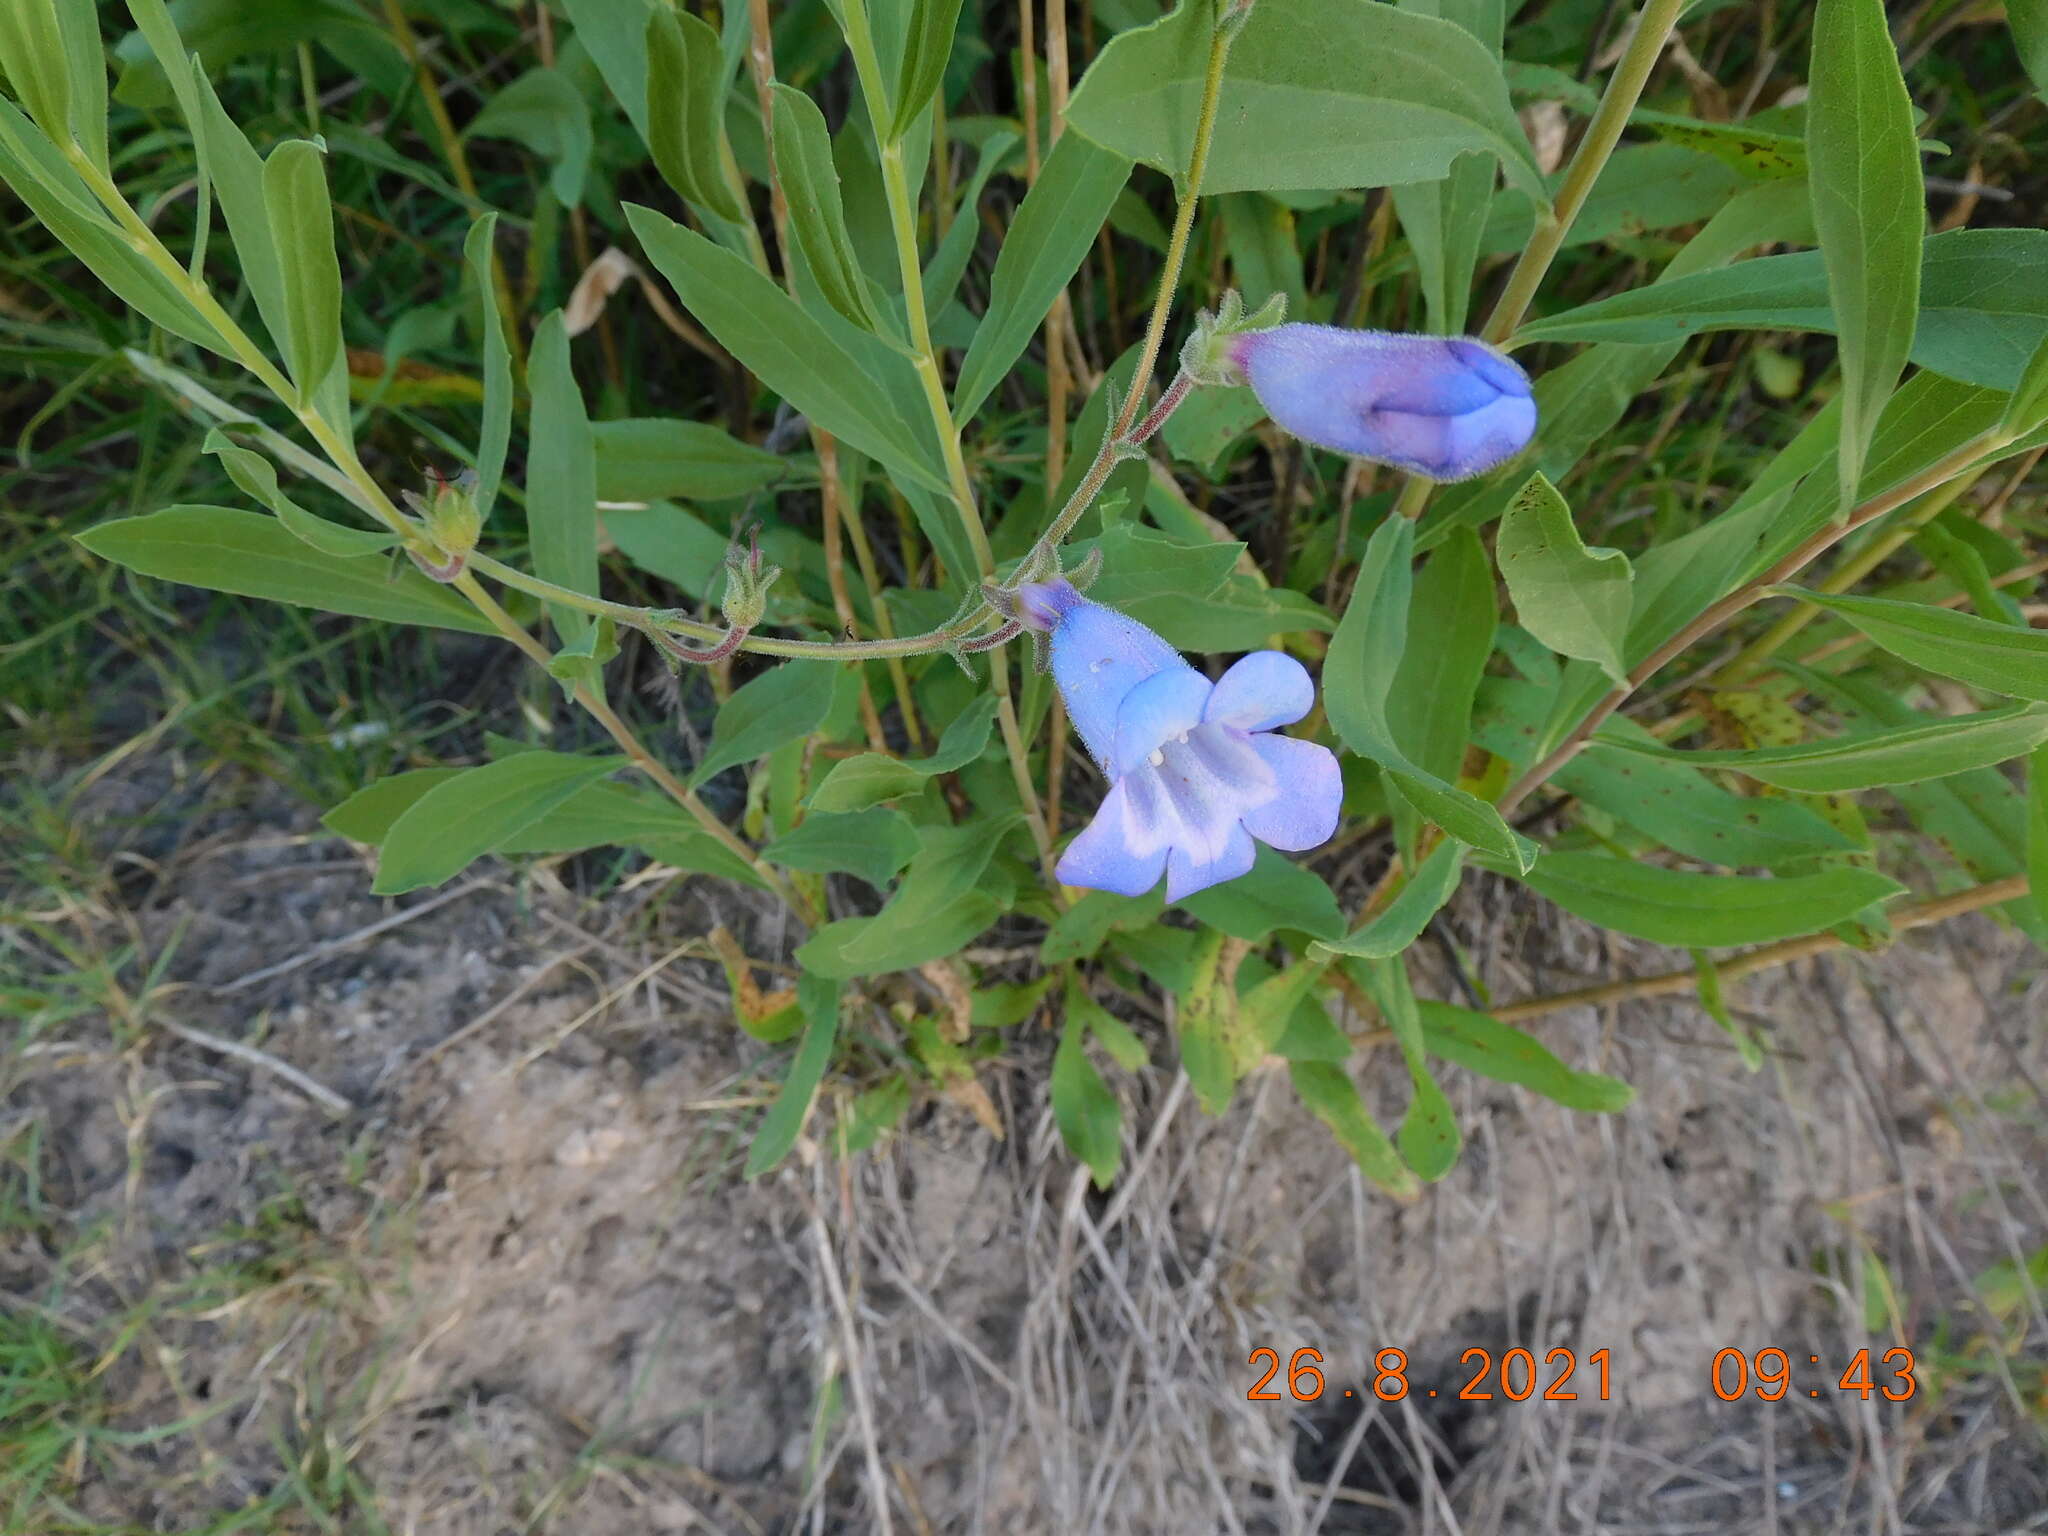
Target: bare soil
x,y
520,1285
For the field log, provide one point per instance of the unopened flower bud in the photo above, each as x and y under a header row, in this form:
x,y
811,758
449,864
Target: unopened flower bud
x,y
747,582
1448,407
451,515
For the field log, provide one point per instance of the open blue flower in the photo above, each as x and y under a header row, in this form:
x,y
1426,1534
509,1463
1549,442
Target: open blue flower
x,y
1195,773
1448,407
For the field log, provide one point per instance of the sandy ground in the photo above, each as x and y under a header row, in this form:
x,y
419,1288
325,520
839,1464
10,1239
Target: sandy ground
x,y
519,1284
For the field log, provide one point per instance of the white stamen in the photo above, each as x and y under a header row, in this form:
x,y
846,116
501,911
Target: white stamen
x,y
1157,758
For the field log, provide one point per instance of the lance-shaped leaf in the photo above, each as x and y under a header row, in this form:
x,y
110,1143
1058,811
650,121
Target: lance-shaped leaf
x,y
1480,1043
1903,755
810,181
257,477
818,1000
1429,1139
1330,1095
1401,922
1086,1112
1869,208
926,47
1364,657
226,550
1320,93
32,60
787,349
495,439
685,123
561,478
1674,906
2000,658
784,703
463,818
302,222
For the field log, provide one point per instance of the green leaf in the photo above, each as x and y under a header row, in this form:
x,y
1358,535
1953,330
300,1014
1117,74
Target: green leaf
x,y
927,46
257,477
1574,599
2029,22
1365,655
608,815
2028,407
818,998
32,59
871,778
851,947
785,348
1089,1118
948,265
1451,622
1747,1046
1320,93
1209,422
1054,229
1903,755
944,875
1444,220
1983,311
1110,1032
873,844
238,182
226,550
1482,1044
496,435
803,159
1428,1138
657,458
1401,922
1275,894
2000,658
1757,153
544,112
685,121
1330,1095
561,477
368,815
85,61
302,221
2037,830
1078,932
1671,906
466,817
783,704
1202,1026
1869,208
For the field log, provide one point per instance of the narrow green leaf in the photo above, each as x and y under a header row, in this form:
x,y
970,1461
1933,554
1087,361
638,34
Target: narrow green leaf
x,y
1451,622
1275,894
948,265
227,550
1364,656
1482,1044
1401,922
1428,1138
2028,407
1078,932
1321,93
873,844
1999,658
368,815
1983,309
852,946
2029,22
1747,1046
927,46
465,817
545,112
2037,830
870,778
685,121
803,159
783,704
1671,906
561,478
658,458
1110,1032
1869,208
1574,599
1089,1118
495,438
1902,755
1330,1095
1202,1026
785,348
946,873
1054,229
818,999
302,222
32,59
257,476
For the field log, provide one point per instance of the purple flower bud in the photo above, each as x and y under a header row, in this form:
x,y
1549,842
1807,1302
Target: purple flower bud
x,y
1447,407
1195,771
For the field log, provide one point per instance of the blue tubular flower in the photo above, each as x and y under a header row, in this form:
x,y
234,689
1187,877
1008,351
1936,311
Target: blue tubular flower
x,y
1195,774
1447,407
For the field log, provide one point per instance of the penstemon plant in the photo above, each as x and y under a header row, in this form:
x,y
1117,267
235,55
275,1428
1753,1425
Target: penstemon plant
x,y
1247,840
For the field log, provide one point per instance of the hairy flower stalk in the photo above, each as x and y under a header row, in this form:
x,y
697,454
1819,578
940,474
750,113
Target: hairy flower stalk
x,y
1195,772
